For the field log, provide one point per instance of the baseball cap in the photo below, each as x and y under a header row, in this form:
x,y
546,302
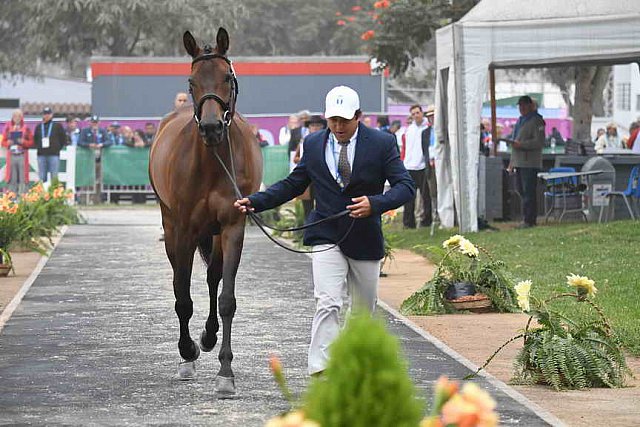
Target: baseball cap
x,y
47,110
431,110
95,118
342,101
526,99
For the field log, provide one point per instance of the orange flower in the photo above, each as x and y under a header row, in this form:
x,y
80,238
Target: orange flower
x,y
382,4
46,196
338,13
431,422
275,364
473,407
341,22
367,35
58,193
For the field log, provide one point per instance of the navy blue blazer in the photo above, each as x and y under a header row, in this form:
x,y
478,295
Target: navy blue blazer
x,y
376,160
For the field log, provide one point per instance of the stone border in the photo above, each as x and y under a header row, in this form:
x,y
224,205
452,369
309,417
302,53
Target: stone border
x,y
534,407
17,298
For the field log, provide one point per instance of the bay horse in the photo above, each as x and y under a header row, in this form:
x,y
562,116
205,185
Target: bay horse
x,y
192,148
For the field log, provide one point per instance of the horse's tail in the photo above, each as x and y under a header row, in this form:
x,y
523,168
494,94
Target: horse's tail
x,y
205,247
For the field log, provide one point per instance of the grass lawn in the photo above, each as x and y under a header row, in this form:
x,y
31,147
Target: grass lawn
x,y
607,253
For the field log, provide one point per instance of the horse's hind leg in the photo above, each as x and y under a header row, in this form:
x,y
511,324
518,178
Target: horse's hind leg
x,y
213,247
232,248
181,257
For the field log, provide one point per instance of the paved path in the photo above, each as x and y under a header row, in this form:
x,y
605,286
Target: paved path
x,y
94,342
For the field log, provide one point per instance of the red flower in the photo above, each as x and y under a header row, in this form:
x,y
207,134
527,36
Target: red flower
x,y
356,8
341,22
338,13
351,18
367,35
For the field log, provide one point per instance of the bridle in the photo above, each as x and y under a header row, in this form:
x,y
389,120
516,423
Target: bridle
x,y
228,107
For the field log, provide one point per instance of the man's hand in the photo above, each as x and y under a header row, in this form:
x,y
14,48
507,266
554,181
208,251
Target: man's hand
x,y
243,205
361,207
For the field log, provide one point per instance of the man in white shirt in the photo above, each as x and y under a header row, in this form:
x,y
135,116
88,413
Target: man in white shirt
x,y
416,161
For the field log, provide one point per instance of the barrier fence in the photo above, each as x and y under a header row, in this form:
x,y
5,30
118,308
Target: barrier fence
x,y
125,170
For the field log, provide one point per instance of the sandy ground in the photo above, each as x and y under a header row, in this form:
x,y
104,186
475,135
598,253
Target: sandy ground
x,y
477,336
406,273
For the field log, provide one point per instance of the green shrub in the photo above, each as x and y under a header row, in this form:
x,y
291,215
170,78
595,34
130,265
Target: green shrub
x,y
366,383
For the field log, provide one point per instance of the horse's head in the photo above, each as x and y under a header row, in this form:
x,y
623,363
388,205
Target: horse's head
x,y
212,79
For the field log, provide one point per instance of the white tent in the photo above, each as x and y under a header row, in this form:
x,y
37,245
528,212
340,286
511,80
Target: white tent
x,y
513,33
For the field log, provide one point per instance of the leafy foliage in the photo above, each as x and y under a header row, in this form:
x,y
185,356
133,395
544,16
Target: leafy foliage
x,y
489,278
366,382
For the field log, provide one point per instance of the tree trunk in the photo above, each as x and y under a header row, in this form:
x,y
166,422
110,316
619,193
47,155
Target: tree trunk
x,y
583,105
599,82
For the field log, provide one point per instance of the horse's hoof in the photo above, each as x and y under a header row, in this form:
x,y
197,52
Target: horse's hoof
x,y
201,343
225,387
196,354
187,371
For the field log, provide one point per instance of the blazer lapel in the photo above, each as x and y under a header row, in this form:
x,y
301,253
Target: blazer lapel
x,y
323,159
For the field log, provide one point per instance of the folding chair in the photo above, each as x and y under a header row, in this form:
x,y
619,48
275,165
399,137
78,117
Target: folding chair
x,y
632,190
562,195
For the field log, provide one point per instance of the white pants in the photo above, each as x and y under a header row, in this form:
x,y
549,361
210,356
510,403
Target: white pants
x,y
333,274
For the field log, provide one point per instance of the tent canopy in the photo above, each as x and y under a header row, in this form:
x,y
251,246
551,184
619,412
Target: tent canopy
x,y
516,34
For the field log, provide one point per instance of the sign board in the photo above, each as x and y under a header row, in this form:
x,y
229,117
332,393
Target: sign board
x,y
599,190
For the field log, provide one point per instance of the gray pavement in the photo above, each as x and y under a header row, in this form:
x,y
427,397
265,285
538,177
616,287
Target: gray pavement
x,y
94,342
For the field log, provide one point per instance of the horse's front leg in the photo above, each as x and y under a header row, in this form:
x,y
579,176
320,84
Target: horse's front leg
x,y
209,335
180,253
232,240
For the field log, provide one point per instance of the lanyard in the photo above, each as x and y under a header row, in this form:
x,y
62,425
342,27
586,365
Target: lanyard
x,y
339,180
50,127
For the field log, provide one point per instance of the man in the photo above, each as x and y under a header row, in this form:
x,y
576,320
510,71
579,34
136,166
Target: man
x,y
149,133
314,124
348,165
73,132
181,99
94,136
49,138
429,140
114,134
526,157
416,161
291,135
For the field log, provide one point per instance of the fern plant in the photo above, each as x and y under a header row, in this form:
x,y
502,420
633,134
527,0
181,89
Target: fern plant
x,y
567,353
462,262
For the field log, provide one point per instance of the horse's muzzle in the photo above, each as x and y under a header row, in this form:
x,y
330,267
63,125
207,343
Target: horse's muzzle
x,y
212,132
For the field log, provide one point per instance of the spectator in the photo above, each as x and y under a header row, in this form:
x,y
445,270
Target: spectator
x,y
634,127
366,121
17,138
303,117
526,158
291,135
114,134
416,161
149,133
256,131
133,139
382,123
181,99
314,124
599,133
430,171
610,139
49,139
94,136
73,132
328,162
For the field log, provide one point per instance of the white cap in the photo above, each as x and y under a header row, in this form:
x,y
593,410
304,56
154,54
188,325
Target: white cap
x,y
342,101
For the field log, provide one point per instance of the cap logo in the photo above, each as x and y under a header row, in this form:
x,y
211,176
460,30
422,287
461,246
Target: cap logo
x,y
339,100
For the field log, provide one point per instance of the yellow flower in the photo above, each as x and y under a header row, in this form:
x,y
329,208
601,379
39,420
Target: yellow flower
x,y
467,248
522,291
453,241
431,422
583,284
292,419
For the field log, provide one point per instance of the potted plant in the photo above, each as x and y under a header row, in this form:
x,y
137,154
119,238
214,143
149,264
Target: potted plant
x,y
467,277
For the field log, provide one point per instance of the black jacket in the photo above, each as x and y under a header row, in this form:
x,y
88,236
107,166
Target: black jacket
x,y
426,142
376,160
57,138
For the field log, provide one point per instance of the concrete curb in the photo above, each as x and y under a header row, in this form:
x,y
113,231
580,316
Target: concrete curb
x,y
15,302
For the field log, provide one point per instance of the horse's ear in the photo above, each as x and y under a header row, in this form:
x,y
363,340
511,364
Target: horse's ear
x,y
222,39
190,44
